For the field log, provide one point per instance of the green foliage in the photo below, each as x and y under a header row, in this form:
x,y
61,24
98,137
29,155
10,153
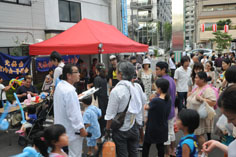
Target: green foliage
x,y
221,23
223,40
167,34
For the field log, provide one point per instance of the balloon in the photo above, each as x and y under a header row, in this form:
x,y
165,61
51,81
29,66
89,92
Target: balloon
x,y
21,109
3,123
17,81
28,152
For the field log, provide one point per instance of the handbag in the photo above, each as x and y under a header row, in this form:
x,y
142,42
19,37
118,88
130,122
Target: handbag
x,y
202,111
119,119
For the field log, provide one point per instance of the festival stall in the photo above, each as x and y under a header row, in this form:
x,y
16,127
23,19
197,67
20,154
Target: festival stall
x,y
88,37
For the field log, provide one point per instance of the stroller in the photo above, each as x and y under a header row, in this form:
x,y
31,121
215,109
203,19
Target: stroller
x,y
42,114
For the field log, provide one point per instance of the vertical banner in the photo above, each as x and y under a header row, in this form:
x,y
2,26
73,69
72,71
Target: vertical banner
x,y
13,66
202,27
226,28
43,64
214,27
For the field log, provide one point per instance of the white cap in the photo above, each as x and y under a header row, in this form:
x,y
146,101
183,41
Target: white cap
x,y
146,61
112,57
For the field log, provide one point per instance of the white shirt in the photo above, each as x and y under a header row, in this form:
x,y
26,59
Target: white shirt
x,y
67,109
58,72
182,76
231,149
117,103
191,63
171,64
3,92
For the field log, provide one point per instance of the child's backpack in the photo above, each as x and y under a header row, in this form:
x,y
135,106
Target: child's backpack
x,y
194,153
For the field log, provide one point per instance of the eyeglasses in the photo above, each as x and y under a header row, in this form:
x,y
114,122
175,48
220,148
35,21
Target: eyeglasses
x,y
75,72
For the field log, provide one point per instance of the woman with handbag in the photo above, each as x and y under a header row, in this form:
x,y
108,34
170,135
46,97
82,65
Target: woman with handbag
x,y
202,99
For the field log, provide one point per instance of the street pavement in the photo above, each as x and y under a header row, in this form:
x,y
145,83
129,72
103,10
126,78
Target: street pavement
x,y
6,150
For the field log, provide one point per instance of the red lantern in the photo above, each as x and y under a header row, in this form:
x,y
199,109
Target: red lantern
x,y
202,27
226,28
214,27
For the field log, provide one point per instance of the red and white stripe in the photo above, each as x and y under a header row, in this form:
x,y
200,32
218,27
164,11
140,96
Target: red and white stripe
x,y
226,28
202,27
214,27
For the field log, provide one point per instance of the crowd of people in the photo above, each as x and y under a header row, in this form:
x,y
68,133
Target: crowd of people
x,y
154,105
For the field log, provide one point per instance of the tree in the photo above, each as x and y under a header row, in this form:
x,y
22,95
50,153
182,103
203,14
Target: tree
x,y
223,40
221,23
167,33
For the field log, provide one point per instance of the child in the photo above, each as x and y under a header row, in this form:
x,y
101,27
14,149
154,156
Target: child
x,y
188,121
30,117
3,90
90,117
55,137
49,143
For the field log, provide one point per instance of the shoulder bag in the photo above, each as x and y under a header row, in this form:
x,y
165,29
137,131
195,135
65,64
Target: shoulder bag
x,y
119,119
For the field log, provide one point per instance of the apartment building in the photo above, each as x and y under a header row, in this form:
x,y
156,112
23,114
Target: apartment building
x,y
189,22
146,20
209,12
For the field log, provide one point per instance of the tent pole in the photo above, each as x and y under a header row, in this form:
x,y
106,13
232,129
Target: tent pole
x,y
100,56
100,50
31,66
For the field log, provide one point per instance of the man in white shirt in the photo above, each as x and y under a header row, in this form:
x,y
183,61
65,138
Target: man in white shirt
x,y
172,64
67,110
182,75
56,60
126,137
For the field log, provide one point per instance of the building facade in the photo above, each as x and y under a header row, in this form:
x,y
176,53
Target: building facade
x,y
146,19
32,21
189,22
210,12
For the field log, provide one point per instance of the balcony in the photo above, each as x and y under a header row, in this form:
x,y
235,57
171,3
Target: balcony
x,y
145,18
207,35
141,6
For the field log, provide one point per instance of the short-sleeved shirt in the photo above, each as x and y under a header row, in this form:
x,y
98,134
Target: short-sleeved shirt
x,y
3,96
57,72
182,76
113,76
232,150
91,115
157,124
23,89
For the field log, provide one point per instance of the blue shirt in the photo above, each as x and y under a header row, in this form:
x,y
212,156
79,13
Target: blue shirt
x,y
32,117
91,115
190,140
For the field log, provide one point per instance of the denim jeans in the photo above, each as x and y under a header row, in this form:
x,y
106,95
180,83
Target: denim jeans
x,y
127,142
182,100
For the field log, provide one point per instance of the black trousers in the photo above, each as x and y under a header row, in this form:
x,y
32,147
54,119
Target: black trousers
x,y
160,149
126,142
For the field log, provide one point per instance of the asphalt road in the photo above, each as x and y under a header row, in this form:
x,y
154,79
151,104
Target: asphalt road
x,y
14,148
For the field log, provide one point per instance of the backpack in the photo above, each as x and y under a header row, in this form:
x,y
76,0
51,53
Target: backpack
x,y
194,153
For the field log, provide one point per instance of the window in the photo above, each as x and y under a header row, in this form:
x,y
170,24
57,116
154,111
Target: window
x,y
69,11
23,2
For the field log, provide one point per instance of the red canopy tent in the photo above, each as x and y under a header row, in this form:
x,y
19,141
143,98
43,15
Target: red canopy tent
x,y
84,38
